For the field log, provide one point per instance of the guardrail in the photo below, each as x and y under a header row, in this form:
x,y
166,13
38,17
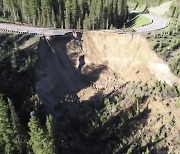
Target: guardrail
x,y
41,32
20,32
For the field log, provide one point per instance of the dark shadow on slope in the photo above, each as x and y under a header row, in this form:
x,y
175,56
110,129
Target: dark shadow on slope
x,y
162,150
88,135
82,137
79,128
57,79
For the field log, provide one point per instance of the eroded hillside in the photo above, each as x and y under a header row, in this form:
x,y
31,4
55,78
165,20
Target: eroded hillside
x,y
129,55
73,75
96,62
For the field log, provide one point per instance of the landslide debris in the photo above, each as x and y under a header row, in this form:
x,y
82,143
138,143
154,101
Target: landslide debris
x,y
73,75
95,62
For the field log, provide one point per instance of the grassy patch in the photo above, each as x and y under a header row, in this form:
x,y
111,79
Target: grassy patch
x,y
141,21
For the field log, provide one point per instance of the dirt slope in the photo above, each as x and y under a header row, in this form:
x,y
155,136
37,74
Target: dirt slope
x,y
163,122
94,64
129,55
56,77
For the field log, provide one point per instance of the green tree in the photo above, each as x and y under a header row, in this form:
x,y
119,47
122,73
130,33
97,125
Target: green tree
x,y
86,23
41,140
33,11
5,128
19,139
68,13
50,127
36,136
7,134
53,18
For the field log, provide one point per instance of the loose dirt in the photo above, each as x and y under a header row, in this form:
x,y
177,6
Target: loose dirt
x,y
94,65
128,55
163,125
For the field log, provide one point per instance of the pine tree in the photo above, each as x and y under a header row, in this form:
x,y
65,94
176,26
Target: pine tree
x,y
41,140
53,18
11,134
61,14
100,14
75,13
68,13
39,20
26,11
50,126
19,139
86,23
43,14
33,11
106,13
14,9
36,136
111,13
6,131
93,14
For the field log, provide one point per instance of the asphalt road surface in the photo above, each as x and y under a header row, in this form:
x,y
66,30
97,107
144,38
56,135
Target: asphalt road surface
x,y
157,24
32,30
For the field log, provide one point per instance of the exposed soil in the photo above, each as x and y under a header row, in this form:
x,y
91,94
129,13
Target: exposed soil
x,y
97,62
163,125
94,65
128,55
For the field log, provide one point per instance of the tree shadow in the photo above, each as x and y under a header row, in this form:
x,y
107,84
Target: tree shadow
x,y
132,19
81,137
163,150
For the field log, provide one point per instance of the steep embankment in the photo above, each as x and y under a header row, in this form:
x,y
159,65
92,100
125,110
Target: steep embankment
x,y
94,64
128,55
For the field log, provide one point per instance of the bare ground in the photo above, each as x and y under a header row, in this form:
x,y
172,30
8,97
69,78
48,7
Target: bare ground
x,y
95,65
97,62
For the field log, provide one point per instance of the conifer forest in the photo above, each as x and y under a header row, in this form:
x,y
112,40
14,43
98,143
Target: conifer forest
x,y
99,87
89,14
